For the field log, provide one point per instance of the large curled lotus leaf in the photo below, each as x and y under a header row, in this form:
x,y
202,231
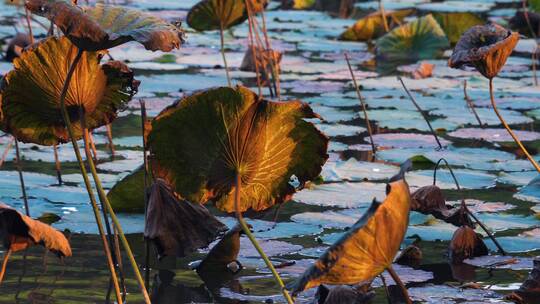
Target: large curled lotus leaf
x,y
372,27
210,15
18,232
105,26
367,248
420,39
455,24
127,195
201,142
31,92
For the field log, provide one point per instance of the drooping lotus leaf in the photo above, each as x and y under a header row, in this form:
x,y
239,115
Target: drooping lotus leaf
x,y
455,24
31,92
223,253
372,27
18,232
201,142
466,243
216,14
485,47
420,39
367,248
525,22
106,26
127,195
176,227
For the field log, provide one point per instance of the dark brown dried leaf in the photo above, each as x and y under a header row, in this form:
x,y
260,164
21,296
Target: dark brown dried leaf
x,y
485,47
178,227
466,243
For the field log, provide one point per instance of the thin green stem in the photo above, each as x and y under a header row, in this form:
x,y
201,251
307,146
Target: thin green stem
x,y
85,175
398,281
253,240
224,57
363,104
21,177
105,200
507,127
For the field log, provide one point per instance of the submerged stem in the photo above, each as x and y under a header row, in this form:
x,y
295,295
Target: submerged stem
x,y
85,175
21,177
421,112
247,231
4,265
363,104
490,235
507,127
398,281
224,57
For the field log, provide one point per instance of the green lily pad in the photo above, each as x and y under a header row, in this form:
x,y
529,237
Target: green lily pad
x,y
455,24
371,26
417,40
128,194
216,14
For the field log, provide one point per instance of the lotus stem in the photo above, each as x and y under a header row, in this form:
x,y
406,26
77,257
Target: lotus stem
x,y
383,16
363,104
93,146
30,34
4,265
471,104
253,240
116,257
57,165
222,38
85,175
110,139
398,281
6,151
386,289
252,46
533,34
421,112
490,235
145,163
275,63
507,127
21,177
118,227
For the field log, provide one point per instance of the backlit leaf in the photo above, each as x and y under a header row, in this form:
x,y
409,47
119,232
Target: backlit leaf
x,y
372,27
31,92
455,24
215,14
200,143
367,248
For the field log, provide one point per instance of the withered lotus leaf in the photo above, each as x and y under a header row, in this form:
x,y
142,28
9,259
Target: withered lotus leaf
x,y
520,23
210,15
105,26
201,143
178,227
372,27
367,248
223,253
264,57
18,232
429,200
485,47
466,243
420,39
31,92
531,286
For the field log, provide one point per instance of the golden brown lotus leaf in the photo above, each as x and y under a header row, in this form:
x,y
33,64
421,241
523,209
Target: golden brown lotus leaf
x,y
367,248
217,14
466,243
105,26
19,232
372,27
202,142
31,92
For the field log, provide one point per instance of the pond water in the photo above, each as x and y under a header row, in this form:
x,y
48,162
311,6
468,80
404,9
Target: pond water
x,y
489,167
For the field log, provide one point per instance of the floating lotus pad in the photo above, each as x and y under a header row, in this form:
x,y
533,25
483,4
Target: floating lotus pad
x,y
416,40
353,170
344,195
372,27
106,26
406,140
468,179
231,130
494,135
31,93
